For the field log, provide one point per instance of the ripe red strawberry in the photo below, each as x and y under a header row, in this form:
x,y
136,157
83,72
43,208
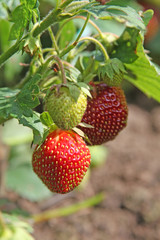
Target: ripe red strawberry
x,y
61,161
107,111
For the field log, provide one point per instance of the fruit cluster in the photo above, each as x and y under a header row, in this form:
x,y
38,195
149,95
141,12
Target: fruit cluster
x,y
64,157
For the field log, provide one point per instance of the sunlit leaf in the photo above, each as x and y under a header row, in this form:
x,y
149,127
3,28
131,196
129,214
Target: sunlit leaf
x,y
143,74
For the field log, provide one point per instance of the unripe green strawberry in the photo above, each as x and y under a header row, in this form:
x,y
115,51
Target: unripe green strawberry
x,y
61,161
107,112
65,111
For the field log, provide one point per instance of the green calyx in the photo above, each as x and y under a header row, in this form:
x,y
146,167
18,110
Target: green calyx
x,y
115,81
112,72
65,110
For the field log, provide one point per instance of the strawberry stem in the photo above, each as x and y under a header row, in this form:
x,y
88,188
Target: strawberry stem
x,y
92,23
70,47
82,30
54,42
79,17
64,80
65,211
98,44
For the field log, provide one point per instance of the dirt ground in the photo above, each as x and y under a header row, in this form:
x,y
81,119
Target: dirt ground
x,y
130,180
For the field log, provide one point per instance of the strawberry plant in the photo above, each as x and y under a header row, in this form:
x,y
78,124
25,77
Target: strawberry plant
x,y
62,77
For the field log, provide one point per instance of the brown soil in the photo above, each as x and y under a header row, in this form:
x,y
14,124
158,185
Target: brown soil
x,y
130,180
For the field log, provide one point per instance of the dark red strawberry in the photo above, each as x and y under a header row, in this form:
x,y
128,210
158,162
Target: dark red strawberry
x,y
61,161
107,112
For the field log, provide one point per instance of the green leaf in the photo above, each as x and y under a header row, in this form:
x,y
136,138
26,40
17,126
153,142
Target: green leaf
x,y
125,46
72,74
82,124
7,98
79,132
20,16
15,229
46,119
85,88
4,33
118,10
24,181
18,104
28,94
143,74
74,91
33,122
31,3
147,15
67,34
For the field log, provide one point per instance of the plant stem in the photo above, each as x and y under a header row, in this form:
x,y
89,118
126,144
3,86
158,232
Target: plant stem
x,y
98,44
65,211
54,43
48,50
82,30
77,17
51,18
64,80
6,55
68,65
70,47
92,23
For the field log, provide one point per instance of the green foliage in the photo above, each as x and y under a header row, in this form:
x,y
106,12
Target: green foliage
x,y
30,187
21,16
147,15
118,10
143,74
18,104
125,46
46,119
19,139
112,67
67,34
15,229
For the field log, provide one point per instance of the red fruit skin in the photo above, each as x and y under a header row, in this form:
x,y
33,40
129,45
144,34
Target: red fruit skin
x,y
61,161
107,112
